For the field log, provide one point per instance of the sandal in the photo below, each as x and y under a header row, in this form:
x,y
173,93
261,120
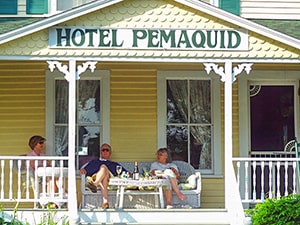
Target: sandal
x,y
105,205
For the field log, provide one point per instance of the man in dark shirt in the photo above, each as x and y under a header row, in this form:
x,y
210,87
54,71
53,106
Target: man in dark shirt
x,y
101,170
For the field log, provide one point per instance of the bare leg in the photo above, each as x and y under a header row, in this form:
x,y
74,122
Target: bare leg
x,y
168,196
101,180
175,188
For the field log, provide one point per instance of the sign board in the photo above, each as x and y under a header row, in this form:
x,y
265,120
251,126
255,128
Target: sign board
x,y
170,39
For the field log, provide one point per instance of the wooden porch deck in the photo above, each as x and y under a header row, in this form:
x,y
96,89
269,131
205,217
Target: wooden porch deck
x,y
132,216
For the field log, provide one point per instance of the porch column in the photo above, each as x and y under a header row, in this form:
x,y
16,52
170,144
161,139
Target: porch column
x,y
228,75
71,76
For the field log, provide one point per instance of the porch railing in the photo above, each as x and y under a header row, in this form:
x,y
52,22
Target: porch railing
x,y
21,185
260,178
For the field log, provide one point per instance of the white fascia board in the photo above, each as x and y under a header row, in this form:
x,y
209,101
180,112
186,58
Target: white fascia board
x,y
242,22
56,19
151,59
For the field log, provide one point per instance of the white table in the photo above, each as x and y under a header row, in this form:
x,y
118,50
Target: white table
x,y
122,183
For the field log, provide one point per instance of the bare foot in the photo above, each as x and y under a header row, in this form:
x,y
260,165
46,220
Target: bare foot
x,y
182,197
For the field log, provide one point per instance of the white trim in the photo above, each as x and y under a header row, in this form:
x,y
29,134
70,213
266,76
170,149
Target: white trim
x,y
104,76
216,114
268,78
158,59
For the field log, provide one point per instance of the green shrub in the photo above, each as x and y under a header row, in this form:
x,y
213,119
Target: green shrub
x,y
283,211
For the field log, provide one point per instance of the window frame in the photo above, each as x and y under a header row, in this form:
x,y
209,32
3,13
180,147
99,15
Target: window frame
x,y
216,114
104,77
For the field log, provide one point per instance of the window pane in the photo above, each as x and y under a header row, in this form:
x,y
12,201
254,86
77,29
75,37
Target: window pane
x,y
272,117
177,142
200,139
88,143
61,101
200,101
36,6
61,140
8,6
177,101
89,102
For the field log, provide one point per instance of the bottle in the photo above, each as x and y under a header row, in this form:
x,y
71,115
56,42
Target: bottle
x,y
136,171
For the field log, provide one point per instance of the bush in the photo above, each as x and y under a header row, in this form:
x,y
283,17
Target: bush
x,y
285,210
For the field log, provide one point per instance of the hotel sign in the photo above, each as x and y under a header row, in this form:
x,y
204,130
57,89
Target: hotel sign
x,y
150,38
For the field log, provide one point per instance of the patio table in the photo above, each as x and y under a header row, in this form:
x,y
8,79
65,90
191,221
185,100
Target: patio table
x,y
122,183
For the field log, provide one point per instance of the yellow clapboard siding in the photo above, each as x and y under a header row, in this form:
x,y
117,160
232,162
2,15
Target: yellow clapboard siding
x,y
22,104
133,114
212,195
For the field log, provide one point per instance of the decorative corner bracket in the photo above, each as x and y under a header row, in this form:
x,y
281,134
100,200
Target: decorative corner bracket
x,y
64,68
228,73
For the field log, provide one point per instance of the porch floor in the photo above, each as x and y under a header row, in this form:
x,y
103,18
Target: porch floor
x,y
130,216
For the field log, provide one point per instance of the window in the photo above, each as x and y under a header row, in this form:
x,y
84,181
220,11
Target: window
x,y
232,6
36,6
8,6
90,124
186,118
268,111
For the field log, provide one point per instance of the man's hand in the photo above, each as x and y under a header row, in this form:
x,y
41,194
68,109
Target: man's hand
x,y
82,171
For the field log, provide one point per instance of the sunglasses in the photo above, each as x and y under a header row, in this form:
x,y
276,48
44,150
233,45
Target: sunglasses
x,y
105,150
41,142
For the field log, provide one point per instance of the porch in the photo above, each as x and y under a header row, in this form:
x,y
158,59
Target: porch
x,y
28,201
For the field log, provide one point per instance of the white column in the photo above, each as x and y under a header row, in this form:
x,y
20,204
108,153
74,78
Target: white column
x,y
72,196
228,75
71,76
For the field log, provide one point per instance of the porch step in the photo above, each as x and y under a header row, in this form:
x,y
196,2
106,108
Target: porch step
x,y
154,217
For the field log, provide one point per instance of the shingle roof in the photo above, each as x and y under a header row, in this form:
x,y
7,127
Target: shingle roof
x,y
8,23
288,27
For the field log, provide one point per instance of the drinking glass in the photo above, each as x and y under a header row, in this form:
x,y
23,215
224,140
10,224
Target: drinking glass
x,y
119,170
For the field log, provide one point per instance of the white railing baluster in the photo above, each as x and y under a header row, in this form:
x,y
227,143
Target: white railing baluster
x,y
36,185
286,178
19,179
2,179
246,180
254,180
294,177
278,180
270,180
28,178
61,180
262,191
10,180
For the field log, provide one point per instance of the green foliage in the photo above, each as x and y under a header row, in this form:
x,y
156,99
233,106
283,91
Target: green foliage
x,y
48,218
285,210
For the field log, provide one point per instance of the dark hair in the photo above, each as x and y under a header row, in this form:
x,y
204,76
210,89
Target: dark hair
x,y
169,159
34,140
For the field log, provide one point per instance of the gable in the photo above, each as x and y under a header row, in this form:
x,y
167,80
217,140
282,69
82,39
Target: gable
x,y
160,14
